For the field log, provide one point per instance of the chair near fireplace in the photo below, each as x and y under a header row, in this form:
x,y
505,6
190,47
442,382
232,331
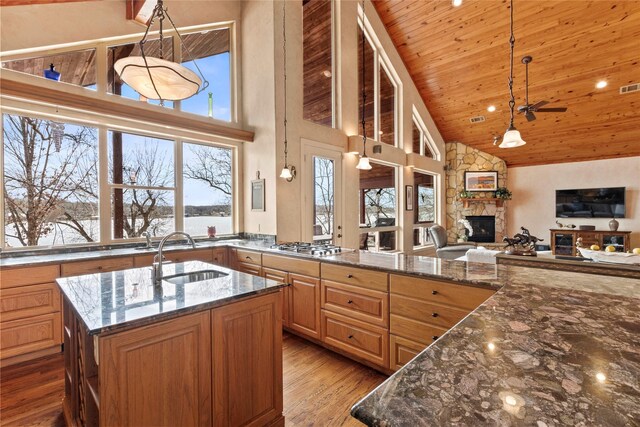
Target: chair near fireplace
x,y
447,250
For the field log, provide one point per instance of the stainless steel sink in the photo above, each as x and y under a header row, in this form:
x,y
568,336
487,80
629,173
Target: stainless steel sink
x,y
195,276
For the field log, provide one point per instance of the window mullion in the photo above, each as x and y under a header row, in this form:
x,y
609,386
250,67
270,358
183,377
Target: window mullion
x,y
178,199
104,195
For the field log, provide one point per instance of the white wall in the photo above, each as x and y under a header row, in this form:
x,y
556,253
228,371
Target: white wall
x,y
533,187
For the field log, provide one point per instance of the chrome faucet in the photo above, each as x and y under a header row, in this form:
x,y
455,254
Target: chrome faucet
x,y
158,258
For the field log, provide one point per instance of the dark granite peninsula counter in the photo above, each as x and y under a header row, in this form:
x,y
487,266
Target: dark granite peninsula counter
x,y
187,351
550,348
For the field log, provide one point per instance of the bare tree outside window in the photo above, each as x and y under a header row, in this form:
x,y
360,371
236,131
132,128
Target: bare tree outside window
x,y
324,197
50,182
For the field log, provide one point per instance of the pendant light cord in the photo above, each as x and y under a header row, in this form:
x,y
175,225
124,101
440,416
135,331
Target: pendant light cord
x,y
512,42
284,50
364,92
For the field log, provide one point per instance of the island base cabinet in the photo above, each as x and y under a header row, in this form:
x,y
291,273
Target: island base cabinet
x,y
159,375
247,363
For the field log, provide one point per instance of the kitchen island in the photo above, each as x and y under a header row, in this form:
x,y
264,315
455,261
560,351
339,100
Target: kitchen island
x,y
204,347
549,348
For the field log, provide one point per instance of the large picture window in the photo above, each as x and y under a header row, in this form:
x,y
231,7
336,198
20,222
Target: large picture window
x,y
424,207
50,182
378,208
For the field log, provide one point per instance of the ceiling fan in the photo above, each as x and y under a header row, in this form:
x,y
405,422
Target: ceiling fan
x,y
529,109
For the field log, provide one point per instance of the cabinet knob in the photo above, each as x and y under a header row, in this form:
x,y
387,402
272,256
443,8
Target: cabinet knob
x,y
100,267
434,292
349,276
350,302
435,337
434,314
350,336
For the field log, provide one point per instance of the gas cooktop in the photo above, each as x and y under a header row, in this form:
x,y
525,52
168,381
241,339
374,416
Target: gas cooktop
x,y
313,249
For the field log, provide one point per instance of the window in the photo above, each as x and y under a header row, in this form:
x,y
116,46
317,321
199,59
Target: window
x,y
378,208
369,85
317,61
115,85
422,142
211,51
424,207
141,177
207,188
75,67
387,109
50,181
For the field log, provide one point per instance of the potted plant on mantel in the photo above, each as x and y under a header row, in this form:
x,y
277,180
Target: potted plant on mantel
x,y
503,193
466,195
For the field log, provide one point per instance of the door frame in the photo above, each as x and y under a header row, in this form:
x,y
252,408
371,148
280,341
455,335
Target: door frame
x,y
309,150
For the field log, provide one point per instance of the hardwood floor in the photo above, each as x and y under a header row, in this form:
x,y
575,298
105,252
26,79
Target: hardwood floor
x,y
319,388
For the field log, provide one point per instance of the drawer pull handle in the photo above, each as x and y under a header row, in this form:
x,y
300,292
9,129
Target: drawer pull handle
x,y
350,336
247,257
435,337
100,268
434,292
349,302
434,314
349,276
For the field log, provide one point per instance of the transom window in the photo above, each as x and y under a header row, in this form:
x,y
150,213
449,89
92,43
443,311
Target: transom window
x,y
422,142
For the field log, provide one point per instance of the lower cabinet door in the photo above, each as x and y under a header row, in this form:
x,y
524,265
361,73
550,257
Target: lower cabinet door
x,y
245,267
402,351
304,311
247,362
157,375
358,338
280,277
35,333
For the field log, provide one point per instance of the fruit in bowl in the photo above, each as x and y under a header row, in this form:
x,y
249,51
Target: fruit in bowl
x,y
595,248
610,248
636,251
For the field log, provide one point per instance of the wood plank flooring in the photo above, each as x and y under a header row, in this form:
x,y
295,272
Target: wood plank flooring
x,y
319,388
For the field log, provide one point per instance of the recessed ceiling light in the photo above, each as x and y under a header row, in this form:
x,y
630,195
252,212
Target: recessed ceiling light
x,y
601,377
491,346
491,108
601,84
456,3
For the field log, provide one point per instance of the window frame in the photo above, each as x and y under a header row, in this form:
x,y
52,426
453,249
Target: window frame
x,y
103,126
424,225
102,47
425,137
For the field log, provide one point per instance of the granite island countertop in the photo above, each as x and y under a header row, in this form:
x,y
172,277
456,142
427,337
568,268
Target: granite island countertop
x,y
119,300
549,348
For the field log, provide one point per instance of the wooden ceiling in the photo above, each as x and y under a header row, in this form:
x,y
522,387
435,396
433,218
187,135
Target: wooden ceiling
x,y
459,60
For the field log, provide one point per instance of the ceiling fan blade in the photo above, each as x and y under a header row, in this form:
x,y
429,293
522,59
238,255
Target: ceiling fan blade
x,y
535,107
552,110
530,116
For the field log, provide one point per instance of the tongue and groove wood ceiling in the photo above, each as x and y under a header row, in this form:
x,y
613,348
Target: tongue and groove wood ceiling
x,y
459,60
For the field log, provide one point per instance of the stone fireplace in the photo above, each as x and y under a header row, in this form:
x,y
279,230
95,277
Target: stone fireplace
x,y
484,228
461,158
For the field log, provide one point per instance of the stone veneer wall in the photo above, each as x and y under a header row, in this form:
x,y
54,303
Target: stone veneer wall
x,y
461,158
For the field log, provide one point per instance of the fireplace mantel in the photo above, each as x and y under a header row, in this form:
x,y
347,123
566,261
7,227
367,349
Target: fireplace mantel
x,y
499,202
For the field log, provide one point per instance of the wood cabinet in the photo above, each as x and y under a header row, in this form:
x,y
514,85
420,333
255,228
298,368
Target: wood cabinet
x,y
422,310
157,375
361,277
245,261
280,277
304,267
220,257
304,309
563,241
356,302
247,362
204,255
79,268
30,315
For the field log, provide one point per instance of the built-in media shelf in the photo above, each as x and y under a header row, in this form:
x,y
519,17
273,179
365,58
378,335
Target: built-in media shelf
x,y
563,241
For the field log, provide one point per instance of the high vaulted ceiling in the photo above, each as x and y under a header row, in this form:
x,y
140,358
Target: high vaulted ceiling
x,y
459,60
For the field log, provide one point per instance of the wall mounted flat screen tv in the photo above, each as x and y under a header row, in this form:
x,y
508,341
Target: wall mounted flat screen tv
x,y
590,203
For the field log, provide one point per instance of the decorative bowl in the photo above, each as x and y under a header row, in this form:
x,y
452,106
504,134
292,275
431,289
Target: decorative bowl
x,y
613,257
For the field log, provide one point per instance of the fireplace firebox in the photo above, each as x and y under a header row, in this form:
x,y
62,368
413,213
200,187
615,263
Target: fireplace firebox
x,y
484,228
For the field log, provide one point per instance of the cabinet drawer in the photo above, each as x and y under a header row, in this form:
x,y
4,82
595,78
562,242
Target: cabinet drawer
x,y
248,268
357,338
438,315
248,257
28,301
12,277
356,302
205,255
97,266
220,257
461,296
402,351
292,265
27,335
423,333
355,276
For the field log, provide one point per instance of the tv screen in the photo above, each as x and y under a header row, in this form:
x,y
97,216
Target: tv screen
x,y
590,203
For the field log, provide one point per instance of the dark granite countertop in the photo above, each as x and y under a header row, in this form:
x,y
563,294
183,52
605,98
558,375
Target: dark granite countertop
x,y
114,301
550,348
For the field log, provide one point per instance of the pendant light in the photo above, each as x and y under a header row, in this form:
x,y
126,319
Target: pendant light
x,y
288,171
363,163
511,138
157,78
